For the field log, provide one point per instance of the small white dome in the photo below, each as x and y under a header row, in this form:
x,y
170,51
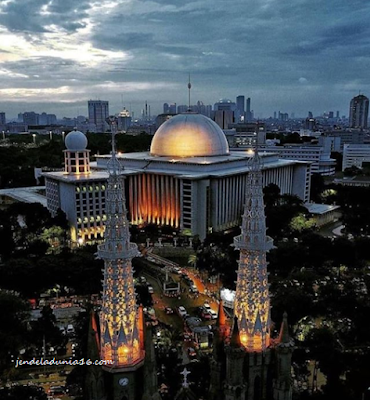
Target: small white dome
x,y
76,141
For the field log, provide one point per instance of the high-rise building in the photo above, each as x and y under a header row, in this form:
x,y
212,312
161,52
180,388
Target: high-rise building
x,y
124,120
165,108
248,114
2,118
98,113
224,113
30,118
257,367
240,107
359,112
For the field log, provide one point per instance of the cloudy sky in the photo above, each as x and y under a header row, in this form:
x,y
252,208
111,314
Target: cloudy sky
x,y
287,55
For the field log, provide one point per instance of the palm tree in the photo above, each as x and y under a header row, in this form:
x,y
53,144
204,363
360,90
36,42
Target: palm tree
x,y
192,261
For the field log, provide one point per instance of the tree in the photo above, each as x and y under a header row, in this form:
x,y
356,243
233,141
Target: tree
x,y
14,312
23,392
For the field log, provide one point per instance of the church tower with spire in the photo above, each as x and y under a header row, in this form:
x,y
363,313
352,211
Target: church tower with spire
x,y
257,366
122,323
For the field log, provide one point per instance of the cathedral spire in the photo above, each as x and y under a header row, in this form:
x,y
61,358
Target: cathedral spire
x,y
120,342
221,318
252,302
235,336
284,336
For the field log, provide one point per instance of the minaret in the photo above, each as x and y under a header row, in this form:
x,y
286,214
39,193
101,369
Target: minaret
x,y
76,156
121,323
252,301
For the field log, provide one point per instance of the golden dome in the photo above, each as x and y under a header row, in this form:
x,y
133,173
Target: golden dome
x,y
189,135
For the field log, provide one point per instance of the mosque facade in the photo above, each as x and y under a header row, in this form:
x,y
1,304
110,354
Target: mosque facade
x,y
189,180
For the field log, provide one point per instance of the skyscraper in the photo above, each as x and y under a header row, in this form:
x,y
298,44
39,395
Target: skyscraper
x,y
98,113
240,107
359,112
248,114
2,118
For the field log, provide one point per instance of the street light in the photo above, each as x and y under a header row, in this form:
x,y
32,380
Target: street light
x,y
63,133
51,135
3,135
34,138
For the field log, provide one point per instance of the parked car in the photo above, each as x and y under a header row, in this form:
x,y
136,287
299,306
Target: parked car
x,y
204,314
150,289
182,311
213,314
187,337
70,329
191,352
207,307
168,310
142,279
194,289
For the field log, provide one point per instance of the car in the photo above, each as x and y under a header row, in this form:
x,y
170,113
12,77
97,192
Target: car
x,y
150,289
187,337
204,314
142,279
55,390
70,329
168,310
182,311
176,270
193,289
191,352
213,314
207,307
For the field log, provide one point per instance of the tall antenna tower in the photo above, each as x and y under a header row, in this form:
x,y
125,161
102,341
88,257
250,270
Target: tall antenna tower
x,y
189,88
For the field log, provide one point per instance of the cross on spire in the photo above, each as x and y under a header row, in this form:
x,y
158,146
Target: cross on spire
x,y
185,374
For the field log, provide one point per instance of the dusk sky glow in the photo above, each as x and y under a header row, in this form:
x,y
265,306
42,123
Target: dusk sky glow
x,y
288,56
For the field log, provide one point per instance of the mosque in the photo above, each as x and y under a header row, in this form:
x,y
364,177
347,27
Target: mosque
x,y
189,180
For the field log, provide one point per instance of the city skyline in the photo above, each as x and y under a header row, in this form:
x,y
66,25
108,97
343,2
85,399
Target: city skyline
x,y
58,56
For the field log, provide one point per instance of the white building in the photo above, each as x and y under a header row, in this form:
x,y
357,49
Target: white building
x,y
189,180
355,155
318,156
78,191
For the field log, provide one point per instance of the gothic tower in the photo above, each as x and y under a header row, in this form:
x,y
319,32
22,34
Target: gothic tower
x,y
121,321
257,367
252,299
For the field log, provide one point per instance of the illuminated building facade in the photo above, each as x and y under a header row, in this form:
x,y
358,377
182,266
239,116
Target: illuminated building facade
x,y
189,180
255,366
78,191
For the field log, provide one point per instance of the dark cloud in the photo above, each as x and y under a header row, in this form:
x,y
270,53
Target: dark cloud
x,y
29,16
286,55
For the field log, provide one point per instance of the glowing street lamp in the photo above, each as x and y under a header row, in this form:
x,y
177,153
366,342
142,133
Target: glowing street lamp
x,y
34,138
